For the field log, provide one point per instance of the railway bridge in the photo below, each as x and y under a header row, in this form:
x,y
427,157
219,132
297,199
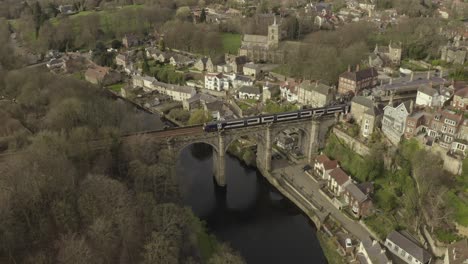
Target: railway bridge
x,y
312,131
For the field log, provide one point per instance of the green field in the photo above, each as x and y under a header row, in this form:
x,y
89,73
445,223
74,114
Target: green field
x,y
105,15
461,209
231,42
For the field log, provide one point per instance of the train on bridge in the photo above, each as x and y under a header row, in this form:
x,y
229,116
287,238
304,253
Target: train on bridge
x,y
276,118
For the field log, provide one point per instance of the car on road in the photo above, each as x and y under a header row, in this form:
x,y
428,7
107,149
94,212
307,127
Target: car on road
x,y
306,168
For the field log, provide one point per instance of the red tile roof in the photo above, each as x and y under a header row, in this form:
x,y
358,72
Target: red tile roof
x,y
339,175
330,164
322,158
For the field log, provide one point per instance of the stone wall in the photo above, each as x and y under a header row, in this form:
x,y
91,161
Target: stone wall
x,y
357,146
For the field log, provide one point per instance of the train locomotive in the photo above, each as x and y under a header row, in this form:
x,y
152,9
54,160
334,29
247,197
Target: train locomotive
x,y
275,118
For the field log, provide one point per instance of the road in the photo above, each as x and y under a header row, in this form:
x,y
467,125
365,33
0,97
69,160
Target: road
x,y
311,188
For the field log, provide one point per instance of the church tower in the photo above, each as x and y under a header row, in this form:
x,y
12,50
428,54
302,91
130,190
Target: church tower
x,y
273,34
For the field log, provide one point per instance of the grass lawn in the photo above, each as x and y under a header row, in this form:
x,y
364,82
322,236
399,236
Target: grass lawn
x,y
78,75
105,15
461,208
380,224
243,106
329,249
116,87
231,42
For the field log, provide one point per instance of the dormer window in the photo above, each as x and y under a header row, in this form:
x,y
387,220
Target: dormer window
x,y
437,117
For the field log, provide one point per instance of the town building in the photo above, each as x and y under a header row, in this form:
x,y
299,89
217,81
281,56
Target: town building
x,y
323,166
263,48
365,114
337,179
204,64
358,201
417,123
285,142
460,99
289,91
453,54
122,60
102,75
197,101
394,121
249,92
176,92
242,80
55,63
352,82
251,69
314,94
407,248
444,127
433,97
217,82
371,252
236,63
179,60
390,54
457,253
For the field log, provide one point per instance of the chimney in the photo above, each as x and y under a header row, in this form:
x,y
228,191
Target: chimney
x,y
391,81
428,75
349,68
357,68
412,76
411,107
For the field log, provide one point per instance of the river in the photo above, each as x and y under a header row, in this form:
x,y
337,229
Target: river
x,y
250,214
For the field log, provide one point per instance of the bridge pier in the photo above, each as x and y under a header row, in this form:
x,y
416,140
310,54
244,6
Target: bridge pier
x,y
313,140
219,162
267,148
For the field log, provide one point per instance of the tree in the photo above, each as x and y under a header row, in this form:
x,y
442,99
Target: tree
x,y
116,44
199,116
203,16
225,255
183,13
73,249
160,249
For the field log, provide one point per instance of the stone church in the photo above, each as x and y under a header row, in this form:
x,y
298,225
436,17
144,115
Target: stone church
x,y
259,48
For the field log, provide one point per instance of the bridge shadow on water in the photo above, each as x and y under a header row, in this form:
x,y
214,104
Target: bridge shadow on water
x,y
248,213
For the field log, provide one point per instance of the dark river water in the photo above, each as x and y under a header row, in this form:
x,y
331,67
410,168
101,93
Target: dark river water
x,y
250,215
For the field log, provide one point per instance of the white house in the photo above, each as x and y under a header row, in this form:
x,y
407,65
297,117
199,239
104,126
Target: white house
x,y
394,121
407,249
323,166
241,80
145,82
337,179
249,92
217,82
428,96
289,91
371,252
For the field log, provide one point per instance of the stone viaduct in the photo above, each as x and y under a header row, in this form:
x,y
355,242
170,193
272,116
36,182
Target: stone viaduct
x,y
176,140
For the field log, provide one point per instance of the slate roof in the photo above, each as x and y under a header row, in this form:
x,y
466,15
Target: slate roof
x,y
374,251
458,252
355,192
462,92
427,89
410,246
330,164
362,100
360,75
250,90
339,175
322,158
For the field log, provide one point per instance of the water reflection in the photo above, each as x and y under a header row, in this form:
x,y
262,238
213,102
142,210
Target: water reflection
x,y
249,214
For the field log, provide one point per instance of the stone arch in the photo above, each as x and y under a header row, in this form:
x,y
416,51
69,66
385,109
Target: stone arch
x,y
303,140
179,147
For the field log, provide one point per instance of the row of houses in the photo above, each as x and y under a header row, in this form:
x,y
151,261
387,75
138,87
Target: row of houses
x,y
341,185
176,92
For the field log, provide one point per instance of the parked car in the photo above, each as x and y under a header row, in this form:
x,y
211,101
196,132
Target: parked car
x,y
348,243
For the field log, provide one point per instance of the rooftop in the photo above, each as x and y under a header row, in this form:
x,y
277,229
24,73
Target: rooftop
x,y
339,175
249,90
458,252
410,245
360,75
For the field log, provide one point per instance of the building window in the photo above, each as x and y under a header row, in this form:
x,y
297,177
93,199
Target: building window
x,y
450,122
